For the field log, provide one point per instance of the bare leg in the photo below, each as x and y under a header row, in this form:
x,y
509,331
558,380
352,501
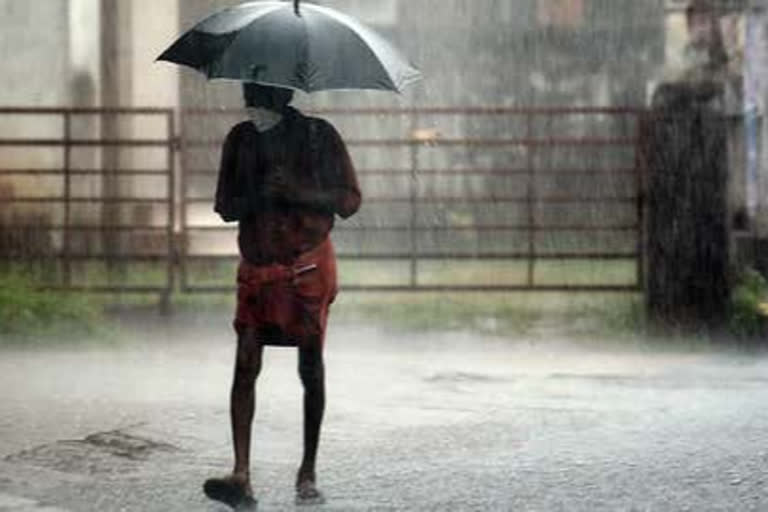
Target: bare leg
x,y
312,374
242,404
234,488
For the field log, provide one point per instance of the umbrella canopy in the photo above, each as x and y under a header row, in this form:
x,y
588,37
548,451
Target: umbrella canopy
x,y
313,48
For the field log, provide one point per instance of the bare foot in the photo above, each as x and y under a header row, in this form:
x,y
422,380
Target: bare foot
x,y
307,492
233,490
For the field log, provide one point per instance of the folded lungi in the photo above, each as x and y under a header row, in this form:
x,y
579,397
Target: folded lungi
x,y
284,308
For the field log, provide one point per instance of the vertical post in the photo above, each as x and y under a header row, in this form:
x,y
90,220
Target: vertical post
x,y
531,199
640,199
67,192
182,249
688,231
414,143
115,77
171,217
760,186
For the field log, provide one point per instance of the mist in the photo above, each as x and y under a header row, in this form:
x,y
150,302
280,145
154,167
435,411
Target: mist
x,y
553,296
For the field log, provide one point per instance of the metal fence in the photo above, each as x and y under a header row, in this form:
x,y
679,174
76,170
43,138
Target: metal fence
x,y
88,197
460,199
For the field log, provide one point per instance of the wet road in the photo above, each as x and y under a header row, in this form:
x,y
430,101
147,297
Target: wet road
x,y
414,422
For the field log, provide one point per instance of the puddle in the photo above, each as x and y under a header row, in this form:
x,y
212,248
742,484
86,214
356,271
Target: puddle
x,y
459,377
99,453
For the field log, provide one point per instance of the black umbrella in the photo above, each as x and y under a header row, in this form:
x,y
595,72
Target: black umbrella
x,y
307,47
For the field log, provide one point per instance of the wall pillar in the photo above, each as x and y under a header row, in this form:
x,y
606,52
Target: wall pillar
x,y
686,154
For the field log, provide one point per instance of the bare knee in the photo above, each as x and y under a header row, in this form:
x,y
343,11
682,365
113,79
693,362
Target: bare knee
x,y
248,361
311,369
245,376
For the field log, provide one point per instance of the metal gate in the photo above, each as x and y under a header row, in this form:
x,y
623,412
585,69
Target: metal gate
x,y
88,197
460,199
455,199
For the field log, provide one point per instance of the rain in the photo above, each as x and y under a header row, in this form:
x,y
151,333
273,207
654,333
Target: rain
x,y
544,273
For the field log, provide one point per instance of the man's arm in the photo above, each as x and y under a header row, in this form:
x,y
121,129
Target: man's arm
x,y
347,189
231,203
341,191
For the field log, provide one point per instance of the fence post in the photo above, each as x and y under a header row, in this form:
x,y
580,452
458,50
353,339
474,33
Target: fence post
x,y
183,185
413,198
67,192
640,189
530,199
165,300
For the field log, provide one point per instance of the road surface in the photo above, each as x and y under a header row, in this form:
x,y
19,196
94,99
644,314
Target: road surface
x,y
415,422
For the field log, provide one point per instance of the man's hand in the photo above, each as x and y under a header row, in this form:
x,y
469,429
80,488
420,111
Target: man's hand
x,y
298,272
276,186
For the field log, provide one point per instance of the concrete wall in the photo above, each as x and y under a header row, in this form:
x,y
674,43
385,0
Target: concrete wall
x,y
34,64
46,44
84,53
155,26
34,52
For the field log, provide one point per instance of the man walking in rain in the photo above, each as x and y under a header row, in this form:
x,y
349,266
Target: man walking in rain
x,y
284,176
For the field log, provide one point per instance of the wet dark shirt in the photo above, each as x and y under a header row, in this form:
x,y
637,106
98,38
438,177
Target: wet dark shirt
x,y
312,158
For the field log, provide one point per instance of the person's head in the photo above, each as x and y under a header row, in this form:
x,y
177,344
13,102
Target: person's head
x,y
265,96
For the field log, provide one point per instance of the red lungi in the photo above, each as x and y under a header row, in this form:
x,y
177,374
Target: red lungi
x,y
284,310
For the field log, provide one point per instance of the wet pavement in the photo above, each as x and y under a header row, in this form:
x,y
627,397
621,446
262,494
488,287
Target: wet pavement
x,y
416,422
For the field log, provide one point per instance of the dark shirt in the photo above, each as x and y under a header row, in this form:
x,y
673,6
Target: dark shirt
x,y
318,179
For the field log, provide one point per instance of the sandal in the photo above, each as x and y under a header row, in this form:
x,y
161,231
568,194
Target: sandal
x,y
229,492
308,494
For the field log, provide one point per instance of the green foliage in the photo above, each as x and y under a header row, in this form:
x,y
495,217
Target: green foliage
x,y
618,315
747,316
30,314
528,314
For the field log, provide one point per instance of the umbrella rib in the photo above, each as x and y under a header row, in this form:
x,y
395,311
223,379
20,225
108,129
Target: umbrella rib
x,y
304,72
241,32
356,28
364,44
233,35
372,60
